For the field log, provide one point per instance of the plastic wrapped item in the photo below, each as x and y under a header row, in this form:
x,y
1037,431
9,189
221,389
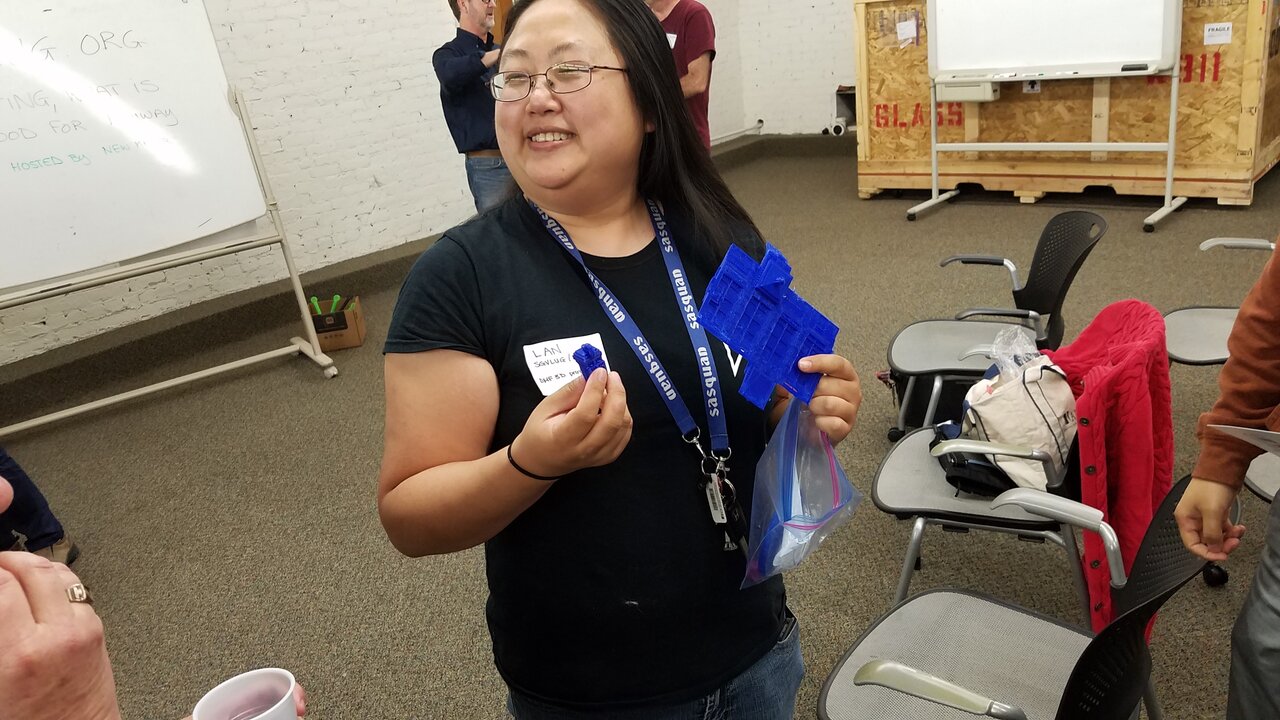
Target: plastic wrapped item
x,y
1011,350
801,496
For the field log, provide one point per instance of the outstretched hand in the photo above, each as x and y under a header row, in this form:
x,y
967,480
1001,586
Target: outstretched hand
x,y
1204,520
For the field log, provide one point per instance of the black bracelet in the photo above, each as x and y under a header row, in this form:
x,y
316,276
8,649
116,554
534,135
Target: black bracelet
x,y
524,472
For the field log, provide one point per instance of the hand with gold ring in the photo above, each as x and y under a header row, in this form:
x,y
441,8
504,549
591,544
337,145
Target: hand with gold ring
x,y
54,665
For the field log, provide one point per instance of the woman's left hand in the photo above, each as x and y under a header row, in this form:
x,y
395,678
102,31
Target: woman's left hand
x,y
837,397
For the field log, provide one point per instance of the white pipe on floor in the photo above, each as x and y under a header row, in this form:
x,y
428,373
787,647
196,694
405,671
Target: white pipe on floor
x,y
753,130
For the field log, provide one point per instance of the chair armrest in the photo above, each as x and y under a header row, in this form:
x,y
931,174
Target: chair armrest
x,y
1235,243
986,260
983,350
908,680
981,447
1072,513
1036,319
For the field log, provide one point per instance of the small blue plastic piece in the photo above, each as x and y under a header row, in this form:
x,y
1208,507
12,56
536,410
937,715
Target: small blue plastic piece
x,y
588,359
752,308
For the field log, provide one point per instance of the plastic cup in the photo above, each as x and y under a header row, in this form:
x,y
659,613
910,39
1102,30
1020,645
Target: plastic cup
x,y
264,694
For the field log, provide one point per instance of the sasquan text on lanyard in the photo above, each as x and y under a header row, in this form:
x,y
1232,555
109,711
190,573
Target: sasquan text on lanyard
x,y
722,498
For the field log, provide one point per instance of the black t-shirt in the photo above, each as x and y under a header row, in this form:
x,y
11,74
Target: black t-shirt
x,y
614,588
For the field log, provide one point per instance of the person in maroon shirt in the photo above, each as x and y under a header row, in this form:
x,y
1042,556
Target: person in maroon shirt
x,y
692,36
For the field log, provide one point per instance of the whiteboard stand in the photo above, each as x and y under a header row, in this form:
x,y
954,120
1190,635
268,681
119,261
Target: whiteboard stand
x,y
935,198
308,345
1171,203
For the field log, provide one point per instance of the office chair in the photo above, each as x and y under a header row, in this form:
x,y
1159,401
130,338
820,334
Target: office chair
x,y
1263,477
949,654
951,350
910,484
1198,335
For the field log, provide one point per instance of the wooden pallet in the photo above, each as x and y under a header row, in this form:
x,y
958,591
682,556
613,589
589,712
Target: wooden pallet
x,y
1228,114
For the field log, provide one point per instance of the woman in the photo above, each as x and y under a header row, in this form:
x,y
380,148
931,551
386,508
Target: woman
x,y
614,591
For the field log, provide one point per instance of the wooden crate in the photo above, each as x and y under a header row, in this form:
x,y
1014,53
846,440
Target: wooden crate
x,y
1228,114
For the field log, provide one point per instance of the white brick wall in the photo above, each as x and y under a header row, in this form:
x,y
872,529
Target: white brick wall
x,y
347,114
779,62
726,113
794,55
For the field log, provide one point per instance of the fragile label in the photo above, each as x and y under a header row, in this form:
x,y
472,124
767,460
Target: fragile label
x,y
1217,33
551,362
907,31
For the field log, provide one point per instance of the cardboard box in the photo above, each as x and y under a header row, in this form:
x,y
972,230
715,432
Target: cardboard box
x,y
343,329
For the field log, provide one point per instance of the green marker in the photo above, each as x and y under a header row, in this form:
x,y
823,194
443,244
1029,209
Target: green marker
x,y
315,305
337,302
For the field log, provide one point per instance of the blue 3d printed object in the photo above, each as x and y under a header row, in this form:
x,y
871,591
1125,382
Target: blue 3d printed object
x,y
752,308
588,359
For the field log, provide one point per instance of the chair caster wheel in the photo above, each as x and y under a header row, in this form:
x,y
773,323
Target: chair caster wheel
x,y
1215,575
895,434
911,217
1148,228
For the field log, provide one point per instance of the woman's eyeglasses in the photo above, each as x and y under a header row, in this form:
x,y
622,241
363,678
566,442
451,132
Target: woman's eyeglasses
x,y
562,78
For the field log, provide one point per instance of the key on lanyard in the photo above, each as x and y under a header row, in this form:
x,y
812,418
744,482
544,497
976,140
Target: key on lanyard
x,y
735,536
722,500
715,500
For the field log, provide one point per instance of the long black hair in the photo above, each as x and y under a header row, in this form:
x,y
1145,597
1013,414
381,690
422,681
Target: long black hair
x,y
675,167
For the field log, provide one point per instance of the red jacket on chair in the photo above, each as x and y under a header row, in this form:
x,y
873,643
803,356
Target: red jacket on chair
x,y
1119,372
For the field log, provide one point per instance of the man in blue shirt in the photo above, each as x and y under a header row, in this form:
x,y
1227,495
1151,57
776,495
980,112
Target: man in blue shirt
x,y
463,65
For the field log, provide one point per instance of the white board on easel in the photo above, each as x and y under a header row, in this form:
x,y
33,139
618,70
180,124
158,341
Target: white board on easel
x,y
124,152
1005,40
974,45
117,137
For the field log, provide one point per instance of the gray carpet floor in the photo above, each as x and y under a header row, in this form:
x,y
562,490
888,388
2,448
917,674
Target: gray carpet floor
x,y
231,524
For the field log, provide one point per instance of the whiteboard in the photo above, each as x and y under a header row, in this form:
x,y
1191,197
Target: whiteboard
x,y
117,136
1023,39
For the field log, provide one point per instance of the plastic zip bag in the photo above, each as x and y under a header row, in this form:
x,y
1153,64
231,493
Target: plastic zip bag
x,y
801,496
1012,349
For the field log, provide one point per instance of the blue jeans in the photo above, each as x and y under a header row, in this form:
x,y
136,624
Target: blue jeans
x,y
490,181
29,514
765,691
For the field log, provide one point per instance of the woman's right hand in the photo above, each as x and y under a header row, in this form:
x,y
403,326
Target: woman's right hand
x,y
583,424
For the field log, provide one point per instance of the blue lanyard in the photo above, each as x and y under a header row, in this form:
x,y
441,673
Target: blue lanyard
x,y
710,380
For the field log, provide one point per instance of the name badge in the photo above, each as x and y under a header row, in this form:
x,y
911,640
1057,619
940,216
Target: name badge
x,y
671,40
551,362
